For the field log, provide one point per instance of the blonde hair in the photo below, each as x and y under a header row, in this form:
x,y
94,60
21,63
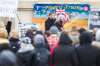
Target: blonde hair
x,y
14,34
3,33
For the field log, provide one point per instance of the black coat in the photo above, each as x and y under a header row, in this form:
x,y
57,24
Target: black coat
x,y
25,58
14,44
88,55
64,56
8,27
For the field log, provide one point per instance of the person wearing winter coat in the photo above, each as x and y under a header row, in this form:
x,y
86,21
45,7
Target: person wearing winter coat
x,y
7,58
42,54
88,55
46,42
30,33
25,54
14,41
64,54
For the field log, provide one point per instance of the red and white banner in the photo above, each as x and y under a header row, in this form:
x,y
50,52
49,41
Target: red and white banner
x,y
62,15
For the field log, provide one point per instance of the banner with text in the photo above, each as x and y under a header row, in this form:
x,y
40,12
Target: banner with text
x,y
76,14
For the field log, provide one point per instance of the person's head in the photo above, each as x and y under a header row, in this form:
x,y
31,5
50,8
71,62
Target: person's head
x,y
30,33
65,39
39,32
86,38
34,27
39,40
98,35
54,30
50,16
14,34
9,23
7,58
81,30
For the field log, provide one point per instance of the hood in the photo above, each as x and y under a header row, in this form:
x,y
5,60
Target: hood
x,y
39,41
54,30
81,30
7,58
85,38
65,39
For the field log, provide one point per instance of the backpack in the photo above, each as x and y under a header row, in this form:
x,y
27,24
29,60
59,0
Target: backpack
x,y
42,57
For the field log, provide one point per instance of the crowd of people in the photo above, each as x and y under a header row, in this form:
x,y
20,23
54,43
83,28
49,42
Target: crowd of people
x,y
77,47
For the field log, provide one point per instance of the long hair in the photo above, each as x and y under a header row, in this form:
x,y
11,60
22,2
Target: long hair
x,y
65,39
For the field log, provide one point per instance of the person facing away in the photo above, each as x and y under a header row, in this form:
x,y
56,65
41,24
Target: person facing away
x,y
14,41
7,58
64,54
46,42
41,52
88,55
25,53
30,34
